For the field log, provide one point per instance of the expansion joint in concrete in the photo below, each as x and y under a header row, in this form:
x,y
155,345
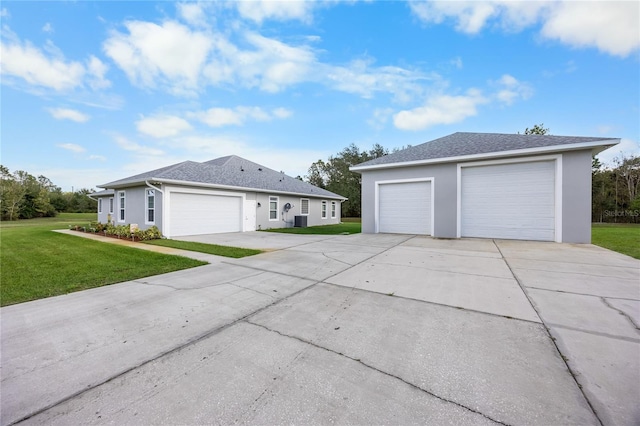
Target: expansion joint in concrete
x,y
553,340
579,294
371,367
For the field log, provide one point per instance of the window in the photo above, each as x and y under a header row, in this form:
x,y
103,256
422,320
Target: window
x,y
121,197
99,205
333,210
111,205
273,208
304,206
151,206
323,213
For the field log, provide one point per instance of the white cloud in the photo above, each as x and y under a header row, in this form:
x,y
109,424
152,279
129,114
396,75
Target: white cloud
x,y
440,109
162,126
612,26
24,61
48,28
98,157
261,10
626,147
152,54
220,117
72,147
4,13
192,13
128,145
68,114
380,117
47,67
511,90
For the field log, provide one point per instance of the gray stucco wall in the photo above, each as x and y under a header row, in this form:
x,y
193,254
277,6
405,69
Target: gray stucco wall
x,y
576,197
285,220
135,208
444,193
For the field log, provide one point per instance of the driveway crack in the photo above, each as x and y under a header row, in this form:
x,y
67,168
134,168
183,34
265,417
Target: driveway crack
x,y
371,367
621,312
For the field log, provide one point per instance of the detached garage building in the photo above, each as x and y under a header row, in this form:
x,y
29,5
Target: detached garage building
x,y
485,185
227,194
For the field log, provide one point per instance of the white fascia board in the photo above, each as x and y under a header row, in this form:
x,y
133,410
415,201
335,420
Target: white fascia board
x,y
240,188
513,153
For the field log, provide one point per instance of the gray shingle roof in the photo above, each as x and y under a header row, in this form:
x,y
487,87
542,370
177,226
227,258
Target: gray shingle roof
x,y
467,144
231,171
103,193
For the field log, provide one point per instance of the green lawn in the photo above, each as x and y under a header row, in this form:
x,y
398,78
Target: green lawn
x,y
235,252
623,238
342,228
38,263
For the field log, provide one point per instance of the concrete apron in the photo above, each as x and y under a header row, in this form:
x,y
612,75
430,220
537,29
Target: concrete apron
x,y
348,329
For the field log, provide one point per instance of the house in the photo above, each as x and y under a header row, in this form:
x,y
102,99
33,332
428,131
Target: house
x,y
227,194
486,185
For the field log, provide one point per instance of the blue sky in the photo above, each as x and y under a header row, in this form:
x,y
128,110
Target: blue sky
x,y
97,91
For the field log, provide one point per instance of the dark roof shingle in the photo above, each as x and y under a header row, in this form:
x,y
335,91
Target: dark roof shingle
x,y
463,144
230,171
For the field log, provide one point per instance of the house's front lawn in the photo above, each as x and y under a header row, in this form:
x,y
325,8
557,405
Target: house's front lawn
x,y
234,252
623,238
341,228
38,263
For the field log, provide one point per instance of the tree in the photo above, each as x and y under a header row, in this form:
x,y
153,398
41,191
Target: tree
x,y
334,175
537,129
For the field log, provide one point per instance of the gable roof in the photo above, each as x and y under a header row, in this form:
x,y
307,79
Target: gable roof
x,y
467,146
231,172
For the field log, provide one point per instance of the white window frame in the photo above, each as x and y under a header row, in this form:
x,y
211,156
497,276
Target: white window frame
x,y
122,204
333,210
99,205
111,205
302,200
323,209
149,193
273,198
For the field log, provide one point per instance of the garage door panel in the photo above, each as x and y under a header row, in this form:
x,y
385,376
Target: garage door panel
x,y
193,214
405,208
511,201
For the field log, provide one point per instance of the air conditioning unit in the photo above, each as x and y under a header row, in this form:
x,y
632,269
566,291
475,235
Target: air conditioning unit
x,y
300,221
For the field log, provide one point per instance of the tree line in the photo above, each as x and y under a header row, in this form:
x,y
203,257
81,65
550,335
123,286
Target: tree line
x,y
24,196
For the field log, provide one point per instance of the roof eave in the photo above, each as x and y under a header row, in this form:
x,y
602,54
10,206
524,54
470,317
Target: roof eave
x,y
595,146
218,186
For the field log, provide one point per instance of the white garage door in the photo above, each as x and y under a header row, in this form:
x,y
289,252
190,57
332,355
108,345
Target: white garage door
x,y
511,201
404,208
193,214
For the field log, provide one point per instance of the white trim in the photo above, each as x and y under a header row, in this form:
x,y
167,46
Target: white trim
x,y
333,209
376,200
166,203
226,187
146,206
111,204
558,187
124,196
99,205
308,206
324,214
277,208
488,155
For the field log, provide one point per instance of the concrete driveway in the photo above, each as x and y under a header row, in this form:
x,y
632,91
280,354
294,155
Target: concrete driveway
x,y
360,329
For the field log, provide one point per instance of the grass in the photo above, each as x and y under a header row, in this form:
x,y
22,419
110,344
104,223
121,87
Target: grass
x,y
37,263
342,228
235,252
623,238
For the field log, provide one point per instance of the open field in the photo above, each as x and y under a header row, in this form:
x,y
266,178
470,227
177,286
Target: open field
x,y
341,228
38,263
621,237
